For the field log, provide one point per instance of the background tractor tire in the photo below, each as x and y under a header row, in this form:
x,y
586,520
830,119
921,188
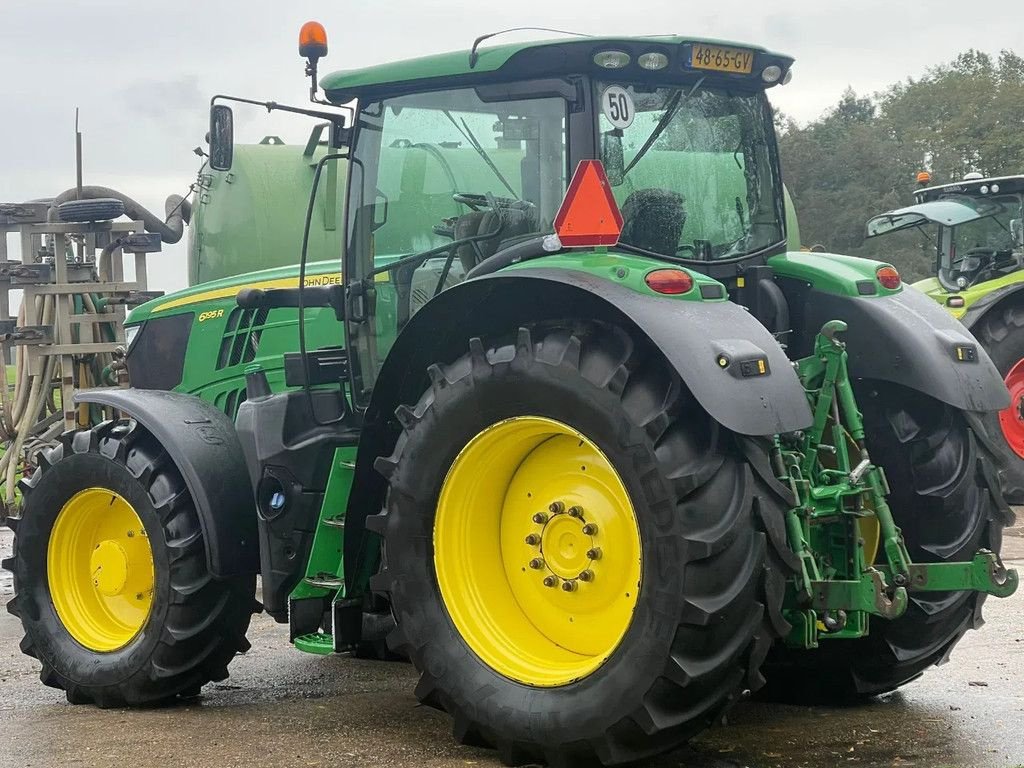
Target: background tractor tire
x,y
195,624
945,498
708,606
96,209
1001,333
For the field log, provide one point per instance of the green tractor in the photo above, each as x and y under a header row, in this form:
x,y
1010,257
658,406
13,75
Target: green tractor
x,y
976,228
566,423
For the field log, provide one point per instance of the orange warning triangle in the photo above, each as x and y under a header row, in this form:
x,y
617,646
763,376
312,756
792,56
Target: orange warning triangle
x,y
588,215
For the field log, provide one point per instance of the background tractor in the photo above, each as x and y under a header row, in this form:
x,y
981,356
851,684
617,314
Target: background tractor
x,y
976,229
572,426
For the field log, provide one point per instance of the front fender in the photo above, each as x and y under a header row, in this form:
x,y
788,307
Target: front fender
x,y
203,444
908,339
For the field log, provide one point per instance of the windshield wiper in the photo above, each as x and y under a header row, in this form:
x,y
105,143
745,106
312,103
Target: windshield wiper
x,y
670,111
475,144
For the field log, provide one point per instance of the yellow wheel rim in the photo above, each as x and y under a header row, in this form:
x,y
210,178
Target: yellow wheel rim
x,y
100,570
537,551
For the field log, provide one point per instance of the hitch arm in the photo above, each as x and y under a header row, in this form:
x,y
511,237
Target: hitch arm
x,y
868,594
984,573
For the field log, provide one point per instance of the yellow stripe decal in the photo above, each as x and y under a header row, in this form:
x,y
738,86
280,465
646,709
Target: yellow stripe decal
x,y
232,291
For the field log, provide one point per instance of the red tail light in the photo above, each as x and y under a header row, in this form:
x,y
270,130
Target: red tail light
x,y
888,277
669,281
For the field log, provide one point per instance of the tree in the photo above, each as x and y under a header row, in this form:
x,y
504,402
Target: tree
x,y
861,157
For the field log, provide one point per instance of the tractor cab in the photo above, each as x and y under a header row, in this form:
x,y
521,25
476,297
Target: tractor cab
x,y
459,163
976,226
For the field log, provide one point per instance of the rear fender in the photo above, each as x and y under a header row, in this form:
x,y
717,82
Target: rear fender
x,y
908,339
203,444
987,303
692,335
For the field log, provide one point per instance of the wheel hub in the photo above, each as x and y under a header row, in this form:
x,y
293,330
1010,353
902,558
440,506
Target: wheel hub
x,y
100,570
1011,420
535,588
564,546
109,567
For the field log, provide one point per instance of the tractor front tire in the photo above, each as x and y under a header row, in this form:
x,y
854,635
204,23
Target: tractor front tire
x,y
111,579
577,556
1001,333
945,499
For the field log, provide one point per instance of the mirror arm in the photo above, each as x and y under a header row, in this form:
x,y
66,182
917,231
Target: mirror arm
x,y
272,106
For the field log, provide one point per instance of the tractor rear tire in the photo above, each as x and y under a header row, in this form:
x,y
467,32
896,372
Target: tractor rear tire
x,y
945,499
1001,333
120,617
670,650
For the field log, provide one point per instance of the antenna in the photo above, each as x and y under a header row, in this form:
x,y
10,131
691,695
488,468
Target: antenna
x,y
78,157
474,54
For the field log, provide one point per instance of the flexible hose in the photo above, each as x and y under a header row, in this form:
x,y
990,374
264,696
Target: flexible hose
x,y
177,210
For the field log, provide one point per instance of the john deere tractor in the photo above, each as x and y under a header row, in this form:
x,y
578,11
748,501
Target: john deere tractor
x,y
976,229
589,445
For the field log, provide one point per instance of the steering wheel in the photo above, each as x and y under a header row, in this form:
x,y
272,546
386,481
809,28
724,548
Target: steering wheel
x,y
477,202
981,251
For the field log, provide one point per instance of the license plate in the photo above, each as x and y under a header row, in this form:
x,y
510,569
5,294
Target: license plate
x,y
722,59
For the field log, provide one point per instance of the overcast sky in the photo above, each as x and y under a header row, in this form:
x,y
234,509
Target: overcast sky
x,y
142,72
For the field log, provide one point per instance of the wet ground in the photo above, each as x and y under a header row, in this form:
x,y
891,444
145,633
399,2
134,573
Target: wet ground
x,y
283,708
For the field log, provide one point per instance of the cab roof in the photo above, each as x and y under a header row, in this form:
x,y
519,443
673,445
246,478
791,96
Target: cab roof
x,y
540,58
972,187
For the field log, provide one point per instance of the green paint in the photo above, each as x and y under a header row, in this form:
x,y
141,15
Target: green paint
x,y
492,59
625,269
326,558
830,272
792,223
320,644
223,339
252,217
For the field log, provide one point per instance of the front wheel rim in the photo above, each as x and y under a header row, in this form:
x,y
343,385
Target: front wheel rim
x,y
1011,419
100,570
537,551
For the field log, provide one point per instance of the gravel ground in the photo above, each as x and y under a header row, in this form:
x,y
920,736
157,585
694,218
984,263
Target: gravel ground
x,y
283,708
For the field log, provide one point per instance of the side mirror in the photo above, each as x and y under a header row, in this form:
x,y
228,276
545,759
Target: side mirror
x,y
612,156
222,137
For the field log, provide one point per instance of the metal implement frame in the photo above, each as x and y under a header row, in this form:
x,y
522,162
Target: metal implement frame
x,y
62,260
837,589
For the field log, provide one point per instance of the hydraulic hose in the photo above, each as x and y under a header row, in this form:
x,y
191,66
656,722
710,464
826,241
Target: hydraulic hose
x,y
177,210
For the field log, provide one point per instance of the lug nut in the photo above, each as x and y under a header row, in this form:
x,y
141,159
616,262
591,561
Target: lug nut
x,y
586,575
569,586
556,507
533,539
540,518
594,554
550,581
576,512
536,563
590,529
